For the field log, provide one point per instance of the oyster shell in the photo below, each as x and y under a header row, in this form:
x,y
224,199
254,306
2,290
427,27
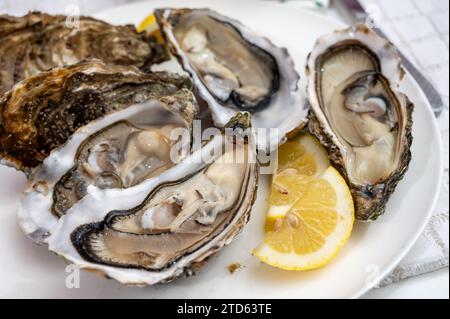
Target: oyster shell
x,y
42,112
37,42
235,69
118,151
359,115
168,225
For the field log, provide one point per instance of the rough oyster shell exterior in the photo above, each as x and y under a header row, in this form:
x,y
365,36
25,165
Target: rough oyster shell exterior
x,y
37,42
42,112
370,200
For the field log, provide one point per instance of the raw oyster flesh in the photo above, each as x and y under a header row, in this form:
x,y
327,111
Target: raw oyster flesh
x,y
43,111
233,69
168,225
359,114
119,151
37,42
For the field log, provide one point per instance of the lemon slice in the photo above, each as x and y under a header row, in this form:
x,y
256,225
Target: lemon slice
x,y
150,26
287,188
311,212
303,155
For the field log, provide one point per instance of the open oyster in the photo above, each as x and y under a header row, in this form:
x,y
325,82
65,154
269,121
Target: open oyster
x,y
43,111
118,151
359,114
168,225
37,42
235,69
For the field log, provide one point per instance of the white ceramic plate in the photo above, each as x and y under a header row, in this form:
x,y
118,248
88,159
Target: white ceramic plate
x,y
373,251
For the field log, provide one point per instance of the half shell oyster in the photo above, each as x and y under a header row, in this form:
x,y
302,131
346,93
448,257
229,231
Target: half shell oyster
x,y
235,69
119,151
359,115
168,225
37,42
42,112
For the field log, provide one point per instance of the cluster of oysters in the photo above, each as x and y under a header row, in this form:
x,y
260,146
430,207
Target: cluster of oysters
x,y
89,123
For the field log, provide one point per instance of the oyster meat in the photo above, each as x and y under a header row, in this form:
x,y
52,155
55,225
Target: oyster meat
x,y
119,151
359,114
42,112
37,42
168,225
235,69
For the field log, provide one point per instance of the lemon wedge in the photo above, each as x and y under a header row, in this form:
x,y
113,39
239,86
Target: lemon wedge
x,y
150,26
301,156
311,211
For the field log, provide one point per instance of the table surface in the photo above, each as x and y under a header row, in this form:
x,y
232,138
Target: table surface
x,y
431,285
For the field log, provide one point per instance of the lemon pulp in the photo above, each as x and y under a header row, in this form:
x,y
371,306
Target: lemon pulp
x,y
311,210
